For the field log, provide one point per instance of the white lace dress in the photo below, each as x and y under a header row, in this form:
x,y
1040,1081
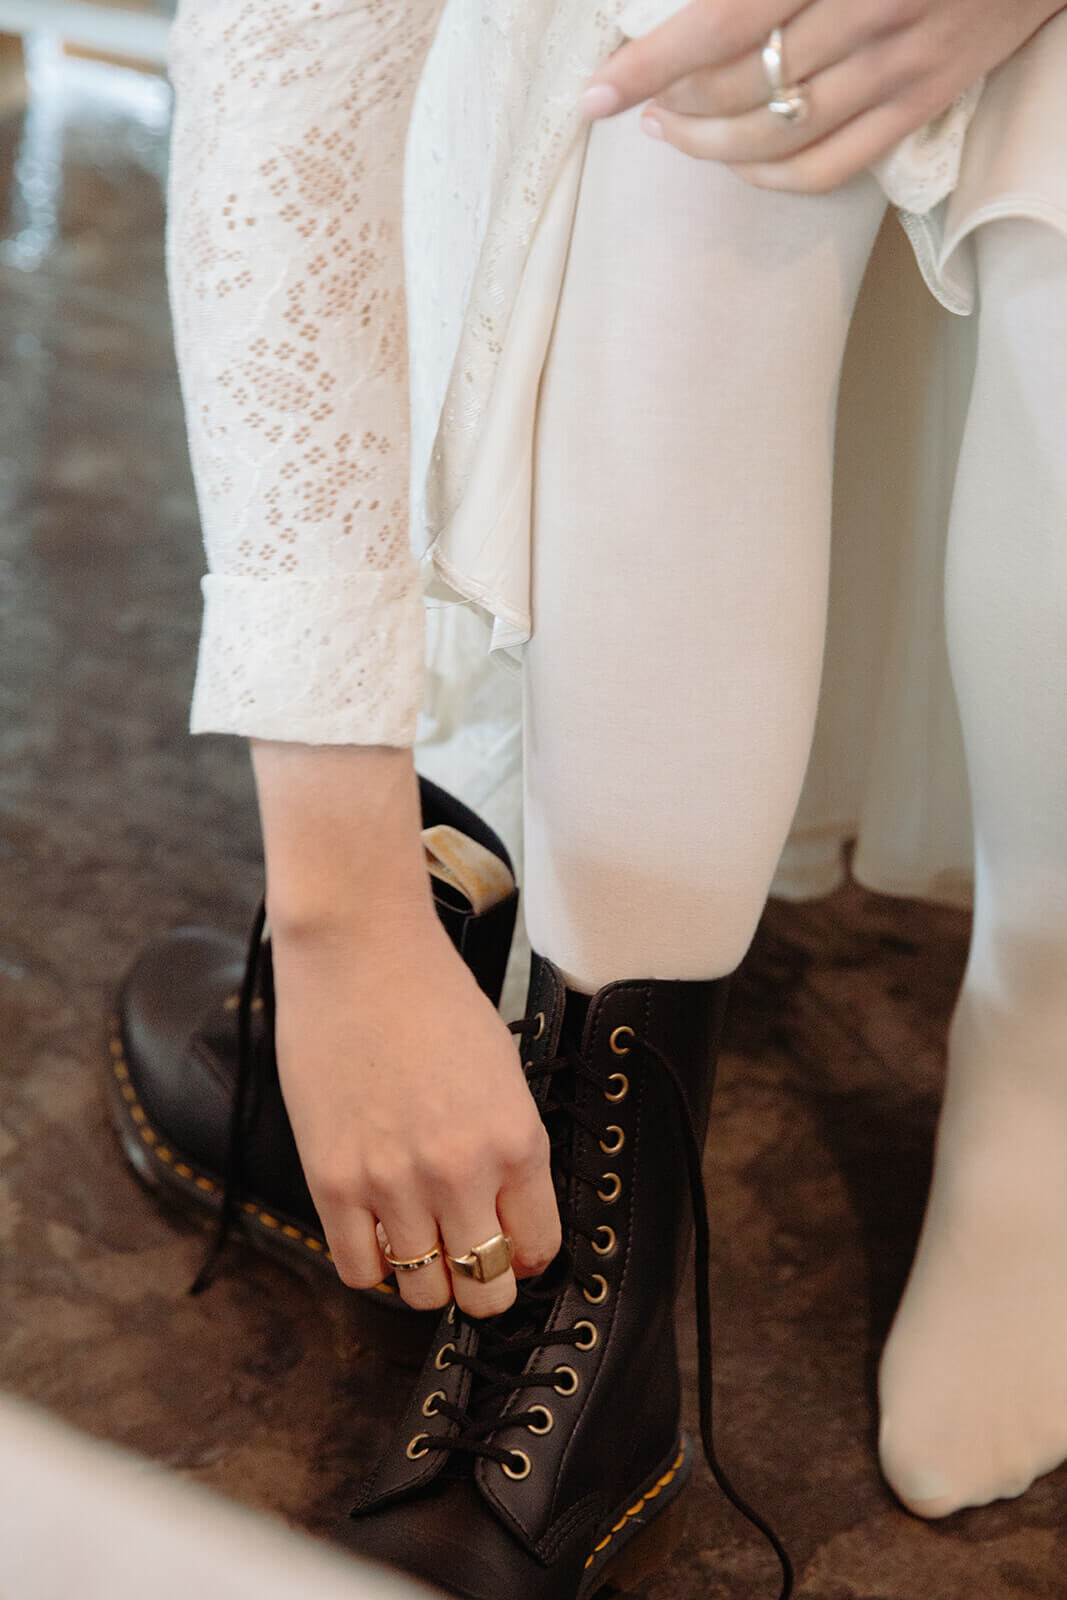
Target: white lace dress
x,y
284,238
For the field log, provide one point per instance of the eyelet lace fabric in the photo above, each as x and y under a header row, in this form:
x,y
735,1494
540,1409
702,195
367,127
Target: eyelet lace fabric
x,y
285,265
285,260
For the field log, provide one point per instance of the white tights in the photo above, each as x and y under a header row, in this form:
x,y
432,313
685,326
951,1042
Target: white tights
x,y
682,513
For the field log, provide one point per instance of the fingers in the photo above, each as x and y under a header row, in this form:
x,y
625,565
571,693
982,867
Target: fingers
x,y
462,1234
351,1234
853,89
711,32
528,1212
834,160
411,1237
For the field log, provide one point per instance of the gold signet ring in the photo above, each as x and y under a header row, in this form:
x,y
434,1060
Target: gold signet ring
x,y
486,1261
416,1261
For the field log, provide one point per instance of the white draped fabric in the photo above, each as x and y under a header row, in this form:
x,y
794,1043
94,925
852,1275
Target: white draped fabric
x,y
489,207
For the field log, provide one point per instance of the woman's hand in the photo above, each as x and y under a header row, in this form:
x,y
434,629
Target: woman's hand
x,y
404,1088
874,72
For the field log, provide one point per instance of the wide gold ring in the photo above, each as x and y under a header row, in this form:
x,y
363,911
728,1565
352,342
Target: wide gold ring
x,y
486,1261
416,1261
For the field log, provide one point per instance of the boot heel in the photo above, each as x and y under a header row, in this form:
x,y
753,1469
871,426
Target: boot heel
x,y
648,1552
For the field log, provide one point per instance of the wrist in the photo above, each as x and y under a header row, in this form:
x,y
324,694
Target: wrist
x,y
342,840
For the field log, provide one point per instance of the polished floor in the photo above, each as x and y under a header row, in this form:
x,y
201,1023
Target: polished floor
x,y
115,824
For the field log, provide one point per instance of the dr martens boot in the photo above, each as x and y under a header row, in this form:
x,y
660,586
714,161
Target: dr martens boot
x,y
540,1456
175,1067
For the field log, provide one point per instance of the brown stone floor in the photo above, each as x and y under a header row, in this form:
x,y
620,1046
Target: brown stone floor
x,y
114,824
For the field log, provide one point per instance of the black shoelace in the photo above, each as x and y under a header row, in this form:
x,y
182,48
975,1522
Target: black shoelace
x,y
232,1178
504,1346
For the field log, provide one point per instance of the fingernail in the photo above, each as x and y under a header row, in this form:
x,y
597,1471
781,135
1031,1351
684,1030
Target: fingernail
x,y
652,126
600,101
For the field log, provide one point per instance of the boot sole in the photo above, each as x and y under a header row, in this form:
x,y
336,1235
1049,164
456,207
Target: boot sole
x,y
197,1193
648,1528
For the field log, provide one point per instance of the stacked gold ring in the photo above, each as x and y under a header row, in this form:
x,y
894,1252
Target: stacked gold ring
x,y
416,1261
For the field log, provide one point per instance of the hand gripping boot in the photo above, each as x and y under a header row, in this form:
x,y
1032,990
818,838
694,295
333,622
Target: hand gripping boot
x,y
214,1139
540,1456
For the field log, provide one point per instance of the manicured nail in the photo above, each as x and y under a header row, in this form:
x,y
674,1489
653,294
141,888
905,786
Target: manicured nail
x,y
600,101
652,126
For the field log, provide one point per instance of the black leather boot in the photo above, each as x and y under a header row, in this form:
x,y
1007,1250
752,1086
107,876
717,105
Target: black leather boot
x,y
174,1076
540,1456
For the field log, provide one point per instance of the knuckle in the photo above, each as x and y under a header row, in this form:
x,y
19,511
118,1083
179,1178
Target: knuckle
x,y
425,1297
450,1167
331,1185
493,1299
388,1173
357,1274
534,1261
524,1150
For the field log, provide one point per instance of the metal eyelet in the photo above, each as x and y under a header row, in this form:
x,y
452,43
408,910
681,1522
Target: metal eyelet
x,y
540,1020
601,1294
619,1140
614,1189
569,1373
590,1341
428,1407
412,1453
517,1472
437,1361
547,1425
615,1095
607,1235
617,1034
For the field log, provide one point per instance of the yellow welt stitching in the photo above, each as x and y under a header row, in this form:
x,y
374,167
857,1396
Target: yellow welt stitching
x,y
634,1509
164,1154
129,1094
115,1046
205,1184
138,1115
291,1232
315,1244
149,1136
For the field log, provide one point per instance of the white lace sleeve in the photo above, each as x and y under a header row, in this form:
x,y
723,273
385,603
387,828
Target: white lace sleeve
x,y
285,268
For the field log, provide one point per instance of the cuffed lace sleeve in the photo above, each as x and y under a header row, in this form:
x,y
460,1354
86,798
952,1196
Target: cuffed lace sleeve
x,y
286,277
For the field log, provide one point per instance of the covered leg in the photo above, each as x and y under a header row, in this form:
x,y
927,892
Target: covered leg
x,y
681,541
974,1380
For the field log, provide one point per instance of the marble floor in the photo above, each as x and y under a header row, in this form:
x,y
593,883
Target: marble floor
x,y
115,824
